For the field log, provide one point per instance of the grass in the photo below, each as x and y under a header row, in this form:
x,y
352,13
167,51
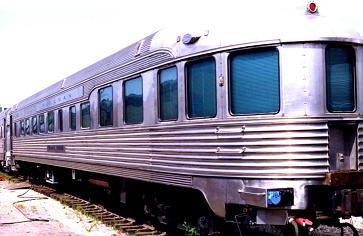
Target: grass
x,y
20,206
8,177
34,209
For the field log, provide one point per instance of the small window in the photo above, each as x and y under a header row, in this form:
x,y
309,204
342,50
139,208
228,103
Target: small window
x,y
133,101
15,128
34,125
168,94
254,82
201,89
85,115
50,118
22,128
340,66
105,106
60,120
41,124
27,127
72,118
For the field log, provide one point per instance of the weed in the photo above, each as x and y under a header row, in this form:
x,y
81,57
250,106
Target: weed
x,y
34,209
20,206
190,230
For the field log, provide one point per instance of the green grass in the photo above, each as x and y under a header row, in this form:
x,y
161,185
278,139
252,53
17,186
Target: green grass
x,y
8,177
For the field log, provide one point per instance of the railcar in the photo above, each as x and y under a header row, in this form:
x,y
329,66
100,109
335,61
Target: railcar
x,y
265,121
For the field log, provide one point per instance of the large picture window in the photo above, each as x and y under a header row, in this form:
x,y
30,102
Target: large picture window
x,y
340,63
105,106
254,82
201,89
168,94
133,101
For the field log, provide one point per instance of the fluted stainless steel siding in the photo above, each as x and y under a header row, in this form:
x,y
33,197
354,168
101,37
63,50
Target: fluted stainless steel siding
x,y
119,58
360,146
228,149
122,71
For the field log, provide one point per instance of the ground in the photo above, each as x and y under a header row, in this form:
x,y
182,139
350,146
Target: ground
x,y
19,215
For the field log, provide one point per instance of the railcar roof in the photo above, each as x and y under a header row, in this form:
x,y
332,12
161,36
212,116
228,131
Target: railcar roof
x,y
238,32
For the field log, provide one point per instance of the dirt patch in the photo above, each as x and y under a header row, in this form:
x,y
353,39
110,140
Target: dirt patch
x,y
25,212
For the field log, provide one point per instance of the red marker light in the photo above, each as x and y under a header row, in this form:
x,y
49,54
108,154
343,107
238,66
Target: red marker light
x,y
312,7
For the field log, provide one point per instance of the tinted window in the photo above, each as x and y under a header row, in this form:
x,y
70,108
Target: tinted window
x,y
85,115
340,79
254,82
41,123
15,128
50,121
22,128
105,106
27,127
72,118
133,103
34,125
201,88
168,94
60,120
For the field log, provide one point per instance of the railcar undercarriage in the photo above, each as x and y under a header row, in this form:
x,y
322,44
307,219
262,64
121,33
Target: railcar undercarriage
x,y
183,211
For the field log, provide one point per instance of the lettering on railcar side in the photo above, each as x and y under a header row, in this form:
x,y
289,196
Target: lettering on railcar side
x,y
55,148
62,98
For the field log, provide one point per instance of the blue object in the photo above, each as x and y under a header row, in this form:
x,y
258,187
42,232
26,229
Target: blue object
x,y
273,197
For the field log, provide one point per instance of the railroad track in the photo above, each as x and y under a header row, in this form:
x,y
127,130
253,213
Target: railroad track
x,y
125,225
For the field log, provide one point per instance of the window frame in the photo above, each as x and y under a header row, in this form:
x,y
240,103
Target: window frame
x,y
229,71
124,100
158,92
81,115
354,76
99,107
186,99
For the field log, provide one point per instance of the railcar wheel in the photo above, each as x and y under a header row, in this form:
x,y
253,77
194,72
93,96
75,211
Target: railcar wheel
x,y
292,229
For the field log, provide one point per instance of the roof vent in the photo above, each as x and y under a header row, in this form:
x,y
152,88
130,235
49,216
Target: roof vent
x,y
139,48
190,39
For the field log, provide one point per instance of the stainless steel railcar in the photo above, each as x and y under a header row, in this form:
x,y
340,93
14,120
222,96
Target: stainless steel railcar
x,y
268,118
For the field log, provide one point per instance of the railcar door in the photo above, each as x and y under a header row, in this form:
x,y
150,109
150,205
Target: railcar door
x,y
2,143
9,160
343,146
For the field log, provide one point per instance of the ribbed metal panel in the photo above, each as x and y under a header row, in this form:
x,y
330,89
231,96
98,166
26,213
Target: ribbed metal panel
x,y
360,146
119,58
179,180
129,60
215,149
123,71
